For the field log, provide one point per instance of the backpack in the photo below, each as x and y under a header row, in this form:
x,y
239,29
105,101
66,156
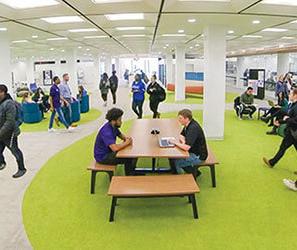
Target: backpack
x,y
162,95
19,117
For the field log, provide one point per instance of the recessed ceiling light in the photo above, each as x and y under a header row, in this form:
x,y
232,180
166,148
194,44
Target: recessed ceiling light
x,y
34,36
20,41
82,30
165,47
280,2
128,16
57,38
192,20
294,21
62,50
172,35
281,46
79,47
63,19
180,31
114,1
256,22
3,29
191,47
94,37
87,49
243,50
275,30
136,35
288,37
252,36
230,31
51,48
197,45
130,28
27,4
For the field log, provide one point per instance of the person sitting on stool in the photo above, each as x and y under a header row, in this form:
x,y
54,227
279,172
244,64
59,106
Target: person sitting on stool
x,y
247,101
192,140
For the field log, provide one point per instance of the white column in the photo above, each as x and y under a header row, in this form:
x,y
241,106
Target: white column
x,y
240,71
283,63
5,63
169,65
30,74
71,69
97,69
108,65
117,66
214,81
180,67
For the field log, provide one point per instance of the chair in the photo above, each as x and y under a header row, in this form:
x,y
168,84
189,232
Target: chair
x,y
75,107
31,113
240,109
84,104
264,109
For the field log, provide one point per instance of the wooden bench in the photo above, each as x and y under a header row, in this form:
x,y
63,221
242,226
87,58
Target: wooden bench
x,y
210,162
97,167
153,186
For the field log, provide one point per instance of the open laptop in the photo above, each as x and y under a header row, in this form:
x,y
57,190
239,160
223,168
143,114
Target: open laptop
x,y
164,142
271,103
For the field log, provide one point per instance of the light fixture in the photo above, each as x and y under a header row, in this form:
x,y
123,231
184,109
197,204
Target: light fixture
x,y
79,47
197,45
130,28
295,21
27,4
82,30
191,47
57,38
127,16
172,35
288,37
63,19
281,46
274,30
114,1
136,35
252,36
280,2
62,50
20,41
165,47
34,36
230,31
3,29
94,37
51,49
226,1
180,31
192,20
87,49
256,22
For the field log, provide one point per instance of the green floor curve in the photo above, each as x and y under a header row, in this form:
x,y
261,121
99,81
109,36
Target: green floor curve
x,y
249,209
92,115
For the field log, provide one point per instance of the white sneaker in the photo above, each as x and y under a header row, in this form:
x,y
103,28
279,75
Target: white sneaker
x,y
51,130
70,129
290,184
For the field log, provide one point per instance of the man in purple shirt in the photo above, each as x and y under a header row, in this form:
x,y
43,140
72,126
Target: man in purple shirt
x,y
105,148
55,104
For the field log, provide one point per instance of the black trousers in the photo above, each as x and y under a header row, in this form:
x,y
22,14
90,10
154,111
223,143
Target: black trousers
x,y
287,142
137,108
249,107
104,97
154,108
12,145
114,97
129,163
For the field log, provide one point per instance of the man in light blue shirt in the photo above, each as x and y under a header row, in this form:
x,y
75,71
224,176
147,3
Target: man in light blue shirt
x,y
66,94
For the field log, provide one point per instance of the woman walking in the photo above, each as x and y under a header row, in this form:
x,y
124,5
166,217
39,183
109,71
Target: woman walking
x,y
138,90
104,86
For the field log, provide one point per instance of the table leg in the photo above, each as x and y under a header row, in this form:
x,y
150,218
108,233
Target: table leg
x,y
153,165
213,175
112,209
194,206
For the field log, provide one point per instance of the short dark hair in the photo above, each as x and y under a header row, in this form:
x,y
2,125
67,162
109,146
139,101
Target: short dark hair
x,y
155,77
114,114
186,113
249,88
55,78
3,88
65,74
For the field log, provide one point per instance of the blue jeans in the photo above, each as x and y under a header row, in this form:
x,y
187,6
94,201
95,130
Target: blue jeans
x,y
191,161
61,117
67,112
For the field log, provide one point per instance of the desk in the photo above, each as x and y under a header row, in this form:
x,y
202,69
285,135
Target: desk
x,y
146,145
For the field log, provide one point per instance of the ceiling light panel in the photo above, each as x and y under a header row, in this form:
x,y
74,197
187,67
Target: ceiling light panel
x,y
82,30
130,28
274,30
114,1
28,4
63,19
128,16
57,39
280,2
94,37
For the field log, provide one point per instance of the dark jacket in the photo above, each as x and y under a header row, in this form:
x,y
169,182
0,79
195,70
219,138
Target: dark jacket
x,y
292,121
114,82
8,114
155,90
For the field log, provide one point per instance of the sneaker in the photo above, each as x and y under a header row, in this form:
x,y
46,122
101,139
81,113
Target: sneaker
x,y
70,129
51,130
267,162
19,173
290,184
2,166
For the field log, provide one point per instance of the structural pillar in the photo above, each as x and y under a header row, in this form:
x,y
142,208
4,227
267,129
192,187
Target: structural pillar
x,y
283,63
5,63
169,65
108,65
71,69
30,72
180,71
214,81
240,71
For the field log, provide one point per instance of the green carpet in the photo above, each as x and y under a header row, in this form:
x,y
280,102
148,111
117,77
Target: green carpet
x,y
92,115
196,98
249,209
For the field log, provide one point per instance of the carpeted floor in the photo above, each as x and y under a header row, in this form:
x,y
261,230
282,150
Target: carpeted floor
x,y
92,115
249,209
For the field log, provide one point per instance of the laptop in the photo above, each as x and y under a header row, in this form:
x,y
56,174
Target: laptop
x,y
164,142
271,103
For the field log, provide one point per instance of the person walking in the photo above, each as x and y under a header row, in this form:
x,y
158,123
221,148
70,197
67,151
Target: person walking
x,y
67,96
104,86
55,105
138,90
9,131
114,82
157,94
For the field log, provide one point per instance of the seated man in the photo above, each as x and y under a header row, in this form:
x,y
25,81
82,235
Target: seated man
x,y
105,149
247,101
191,139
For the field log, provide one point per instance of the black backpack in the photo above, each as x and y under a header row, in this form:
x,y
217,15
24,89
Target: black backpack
x,y
162,95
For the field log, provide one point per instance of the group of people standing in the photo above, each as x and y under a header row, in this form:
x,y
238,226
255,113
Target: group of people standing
x,y
109,83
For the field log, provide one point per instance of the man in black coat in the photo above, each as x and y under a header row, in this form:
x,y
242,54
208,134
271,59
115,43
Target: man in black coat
x,y
114,82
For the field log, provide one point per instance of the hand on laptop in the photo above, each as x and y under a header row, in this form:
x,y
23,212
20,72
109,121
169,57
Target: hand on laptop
x,y
172,141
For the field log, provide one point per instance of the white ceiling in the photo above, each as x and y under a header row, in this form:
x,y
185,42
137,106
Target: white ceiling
x,y
235,15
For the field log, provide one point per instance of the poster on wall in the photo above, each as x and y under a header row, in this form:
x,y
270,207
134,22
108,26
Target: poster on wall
x,y
47,77
256,80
